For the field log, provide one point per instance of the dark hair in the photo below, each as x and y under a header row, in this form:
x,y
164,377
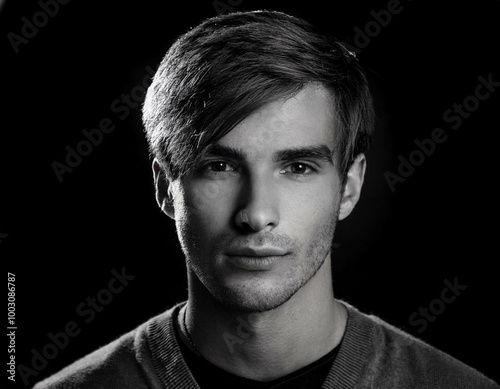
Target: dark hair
x,y
227,67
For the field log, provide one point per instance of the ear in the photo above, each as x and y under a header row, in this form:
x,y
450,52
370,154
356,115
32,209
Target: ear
x,y
163,190
352,186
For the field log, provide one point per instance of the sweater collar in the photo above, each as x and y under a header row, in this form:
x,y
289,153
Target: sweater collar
x,y
346,371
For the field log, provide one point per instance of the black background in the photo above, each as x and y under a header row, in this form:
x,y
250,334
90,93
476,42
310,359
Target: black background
x,y
396,249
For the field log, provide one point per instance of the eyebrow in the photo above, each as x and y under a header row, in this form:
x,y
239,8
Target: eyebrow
x,y
319,152
218,150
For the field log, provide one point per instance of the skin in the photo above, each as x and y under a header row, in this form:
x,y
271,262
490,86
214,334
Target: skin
x,y
272,315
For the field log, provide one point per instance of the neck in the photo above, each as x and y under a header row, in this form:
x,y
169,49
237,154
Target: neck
x,y
268,345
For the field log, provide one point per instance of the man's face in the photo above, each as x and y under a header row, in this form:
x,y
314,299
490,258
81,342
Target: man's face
x,y
256,220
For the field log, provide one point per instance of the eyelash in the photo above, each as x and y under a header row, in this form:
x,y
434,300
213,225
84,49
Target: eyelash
x,y
311,169
205,169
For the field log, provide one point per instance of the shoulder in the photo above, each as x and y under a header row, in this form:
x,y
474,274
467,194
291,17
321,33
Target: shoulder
x,y
400,360
106,367
123,363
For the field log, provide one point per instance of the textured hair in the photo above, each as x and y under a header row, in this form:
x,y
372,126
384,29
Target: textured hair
x,y
227,67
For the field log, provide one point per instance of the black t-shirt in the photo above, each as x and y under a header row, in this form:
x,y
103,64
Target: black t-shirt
x,y
207,375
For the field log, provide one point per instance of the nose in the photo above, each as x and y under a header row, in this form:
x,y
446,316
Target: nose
x,y
258,209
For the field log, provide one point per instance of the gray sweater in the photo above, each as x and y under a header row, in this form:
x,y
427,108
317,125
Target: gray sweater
x,y
373,354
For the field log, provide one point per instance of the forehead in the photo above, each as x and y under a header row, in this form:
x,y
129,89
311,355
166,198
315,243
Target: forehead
x,y
306,119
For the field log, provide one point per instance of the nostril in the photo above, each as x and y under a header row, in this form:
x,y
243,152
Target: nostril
x,y
256,219
244,216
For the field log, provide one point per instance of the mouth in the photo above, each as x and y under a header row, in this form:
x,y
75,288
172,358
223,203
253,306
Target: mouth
x,y
247,251
255,259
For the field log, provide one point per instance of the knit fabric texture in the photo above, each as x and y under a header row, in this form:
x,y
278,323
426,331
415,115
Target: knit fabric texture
x,y
373,354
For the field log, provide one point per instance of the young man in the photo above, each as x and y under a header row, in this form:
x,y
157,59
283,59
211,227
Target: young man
x,y
257,125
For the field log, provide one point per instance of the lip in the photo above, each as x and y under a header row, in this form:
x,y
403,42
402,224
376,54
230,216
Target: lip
x,y
254,263
256,252
255,258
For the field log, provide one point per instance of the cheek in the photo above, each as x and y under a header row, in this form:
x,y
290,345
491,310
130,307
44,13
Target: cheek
x,y
206,207
312,203
310,213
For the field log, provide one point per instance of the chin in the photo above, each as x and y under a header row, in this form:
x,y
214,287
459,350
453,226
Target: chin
x,y
254,298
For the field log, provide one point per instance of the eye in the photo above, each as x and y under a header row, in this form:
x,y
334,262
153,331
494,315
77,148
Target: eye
x,y
215,167
298,168
218,166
